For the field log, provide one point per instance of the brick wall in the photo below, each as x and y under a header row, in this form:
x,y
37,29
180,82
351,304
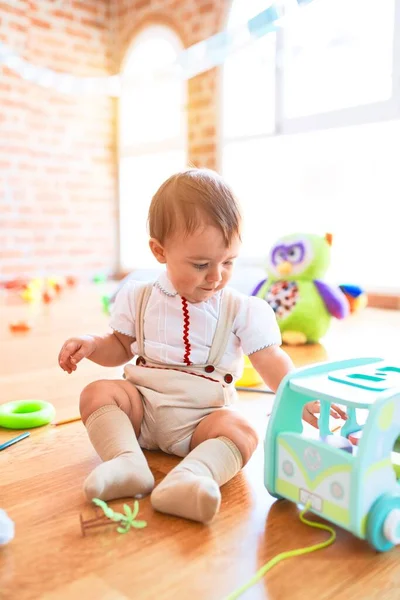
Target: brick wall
x,y
58,201
57,167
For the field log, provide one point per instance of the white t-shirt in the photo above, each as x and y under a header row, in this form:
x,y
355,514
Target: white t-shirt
x,y
254,327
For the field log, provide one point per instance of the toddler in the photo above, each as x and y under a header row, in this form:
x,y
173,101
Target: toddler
x,y
189,333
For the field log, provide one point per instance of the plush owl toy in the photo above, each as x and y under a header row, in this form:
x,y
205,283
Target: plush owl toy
x,y
302,302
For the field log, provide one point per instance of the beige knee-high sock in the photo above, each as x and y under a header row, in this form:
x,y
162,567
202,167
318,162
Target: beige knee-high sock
x,y
125,471
191,489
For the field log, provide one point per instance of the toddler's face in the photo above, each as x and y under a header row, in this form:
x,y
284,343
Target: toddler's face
x,y
199,265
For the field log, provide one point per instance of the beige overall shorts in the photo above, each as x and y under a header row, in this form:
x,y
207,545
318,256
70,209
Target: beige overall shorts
x,y
176,398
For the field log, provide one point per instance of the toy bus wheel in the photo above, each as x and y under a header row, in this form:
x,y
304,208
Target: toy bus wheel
x,y
383,523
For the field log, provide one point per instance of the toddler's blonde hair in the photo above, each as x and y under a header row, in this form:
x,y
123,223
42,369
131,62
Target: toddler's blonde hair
x,y
191,198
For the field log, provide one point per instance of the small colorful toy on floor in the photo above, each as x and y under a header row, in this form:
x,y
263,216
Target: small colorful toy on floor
x,y
354,486
26,414
19,327
37,293
250,377
125,521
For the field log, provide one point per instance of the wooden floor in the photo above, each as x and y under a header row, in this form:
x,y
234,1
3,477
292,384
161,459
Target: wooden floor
x,y
41,479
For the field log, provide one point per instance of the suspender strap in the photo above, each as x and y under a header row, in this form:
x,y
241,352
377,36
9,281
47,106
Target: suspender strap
x,y
228,310
141,301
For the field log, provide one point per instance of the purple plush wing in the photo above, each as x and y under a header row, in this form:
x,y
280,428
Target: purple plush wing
x,y
258,287
335,301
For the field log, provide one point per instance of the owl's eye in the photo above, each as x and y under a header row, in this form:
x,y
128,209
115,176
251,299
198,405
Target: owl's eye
x,y
279,254
295,253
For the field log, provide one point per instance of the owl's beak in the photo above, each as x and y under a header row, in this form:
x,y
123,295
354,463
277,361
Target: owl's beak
x,y
284,268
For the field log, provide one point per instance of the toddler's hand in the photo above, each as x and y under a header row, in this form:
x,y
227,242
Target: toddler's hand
x,y
313,408
74,350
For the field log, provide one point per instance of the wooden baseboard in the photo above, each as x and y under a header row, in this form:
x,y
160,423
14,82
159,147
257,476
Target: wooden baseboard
x,y
390,302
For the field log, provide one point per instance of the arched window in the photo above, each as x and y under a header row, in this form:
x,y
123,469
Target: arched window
x,y
152,135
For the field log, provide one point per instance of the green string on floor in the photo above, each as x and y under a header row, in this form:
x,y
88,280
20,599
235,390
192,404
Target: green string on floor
x,y
290,554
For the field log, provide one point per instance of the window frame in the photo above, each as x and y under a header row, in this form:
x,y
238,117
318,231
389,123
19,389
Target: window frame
x,y
346,117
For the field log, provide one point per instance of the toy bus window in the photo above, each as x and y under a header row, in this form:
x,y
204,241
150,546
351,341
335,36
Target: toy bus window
x,y
328,426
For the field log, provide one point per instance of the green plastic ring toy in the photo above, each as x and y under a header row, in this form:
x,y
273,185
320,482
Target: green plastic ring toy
x,y
26,414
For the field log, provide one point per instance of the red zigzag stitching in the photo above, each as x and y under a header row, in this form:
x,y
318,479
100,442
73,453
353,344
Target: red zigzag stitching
x,y
186,321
